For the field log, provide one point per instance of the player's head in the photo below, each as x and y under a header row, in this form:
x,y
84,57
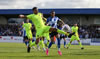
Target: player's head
x,y
61,25
52,13
35,10
27,21
75,24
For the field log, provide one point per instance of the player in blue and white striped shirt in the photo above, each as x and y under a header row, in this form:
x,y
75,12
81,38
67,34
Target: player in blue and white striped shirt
x,y
25,38
52,21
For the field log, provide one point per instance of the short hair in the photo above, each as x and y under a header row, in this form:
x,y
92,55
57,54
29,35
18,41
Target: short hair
x,y
34,8
52,11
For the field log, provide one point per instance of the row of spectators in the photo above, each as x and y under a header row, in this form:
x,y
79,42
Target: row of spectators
x,y
9,30
84,31
89,31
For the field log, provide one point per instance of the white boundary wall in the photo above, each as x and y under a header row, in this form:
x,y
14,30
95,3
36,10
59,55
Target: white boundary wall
x,y
11,39
19,39
84,41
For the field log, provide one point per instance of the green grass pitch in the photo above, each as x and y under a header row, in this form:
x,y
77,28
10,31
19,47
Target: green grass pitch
x,y
18,51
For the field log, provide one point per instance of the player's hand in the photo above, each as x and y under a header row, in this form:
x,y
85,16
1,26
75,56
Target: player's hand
x,y
21,16
47,24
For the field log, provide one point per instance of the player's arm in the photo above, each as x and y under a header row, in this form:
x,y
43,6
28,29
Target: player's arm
x,y
48,21
44,19
62,21
26,16
22,16
72,30
31,26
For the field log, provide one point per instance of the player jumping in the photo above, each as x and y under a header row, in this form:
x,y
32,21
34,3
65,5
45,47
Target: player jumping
x,y
40,27
53,22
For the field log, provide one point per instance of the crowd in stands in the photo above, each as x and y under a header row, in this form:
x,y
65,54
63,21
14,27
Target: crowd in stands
x,y
89,31
9,30
84,31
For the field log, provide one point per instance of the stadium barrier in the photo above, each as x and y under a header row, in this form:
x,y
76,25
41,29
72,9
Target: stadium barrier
x,y
19,39
84,41
95,41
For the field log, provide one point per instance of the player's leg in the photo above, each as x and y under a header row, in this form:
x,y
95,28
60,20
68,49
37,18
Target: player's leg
x,y
72,38
48,41
29,35
38,36
58,44
57,30
80,44
25,39
58,41
42,34
52,40
60,31
34,43
64,38
46,35
50,44
41,43
64,42
50,29
30,41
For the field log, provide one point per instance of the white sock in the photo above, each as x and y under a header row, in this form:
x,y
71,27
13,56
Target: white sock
x,y
44,49
38,47
58,49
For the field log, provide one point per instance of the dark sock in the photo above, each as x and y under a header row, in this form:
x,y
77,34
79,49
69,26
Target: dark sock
x,y
64,43
50,44
58,39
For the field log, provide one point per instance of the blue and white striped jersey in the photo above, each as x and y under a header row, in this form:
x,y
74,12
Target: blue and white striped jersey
x,y
24,32
53,21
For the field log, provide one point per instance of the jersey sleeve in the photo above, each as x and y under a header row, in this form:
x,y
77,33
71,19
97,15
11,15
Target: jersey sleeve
x,y
29,16
47,20
77,28
72,29
30,25
58,19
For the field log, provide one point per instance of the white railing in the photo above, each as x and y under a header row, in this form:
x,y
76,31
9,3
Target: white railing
x,y
19,39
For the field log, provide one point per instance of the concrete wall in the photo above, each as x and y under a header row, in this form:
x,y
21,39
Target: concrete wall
x,y
82,20
3,20
86,20
69,19
97,20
